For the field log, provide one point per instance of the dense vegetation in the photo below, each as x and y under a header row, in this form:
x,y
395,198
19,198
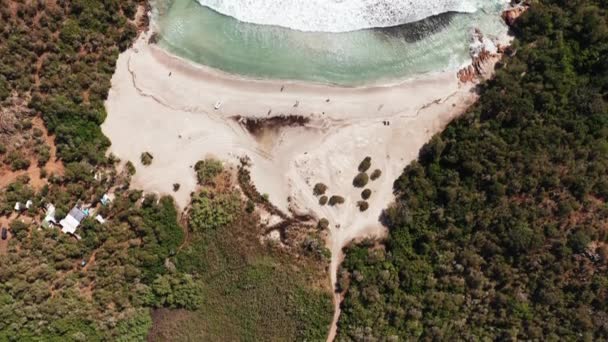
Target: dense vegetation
x,y
56,62
499,230
250,291
62,54
48,294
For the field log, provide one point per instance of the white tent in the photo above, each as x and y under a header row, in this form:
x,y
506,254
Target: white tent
x,y
71,222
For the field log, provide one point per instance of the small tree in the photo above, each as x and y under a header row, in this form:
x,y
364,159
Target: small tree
x,y
365,164
361,180
323,224
19,229
376,174
207,170
146,158
130,168
366,194
17,161
176,187
323,200
319,189
363,205
334,200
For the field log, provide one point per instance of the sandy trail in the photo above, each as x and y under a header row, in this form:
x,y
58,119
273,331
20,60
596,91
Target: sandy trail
x,y
164,105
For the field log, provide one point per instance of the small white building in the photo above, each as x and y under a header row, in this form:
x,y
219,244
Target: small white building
x,y
105,199
72,220
100,219
49,218
21,207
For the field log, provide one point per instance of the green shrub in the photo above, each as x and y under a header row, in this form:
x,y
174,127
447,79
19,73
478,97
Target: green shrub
x,y
176,291
17,161
323,224
361,180
26,124
366,194
250,206
376,174
323,200
19,229
37,132
211,211
334,200
130,168
365,164
2,149
207,170
4,88
363,205
578,241
146,158
44,154
319,189
176,187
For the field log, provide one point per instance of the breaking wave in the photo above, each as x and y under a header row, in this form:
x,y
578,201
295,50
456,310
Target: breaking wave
x,y
337,15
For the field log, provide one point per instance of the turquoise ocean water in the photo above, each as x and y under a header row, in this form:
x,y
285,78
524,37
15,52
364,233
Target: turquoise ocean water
x,y
375,55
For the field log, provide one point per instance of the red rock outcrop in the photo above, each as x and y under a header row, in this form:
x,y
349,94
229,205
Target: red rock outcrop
x,y
479,67
484,61
511,15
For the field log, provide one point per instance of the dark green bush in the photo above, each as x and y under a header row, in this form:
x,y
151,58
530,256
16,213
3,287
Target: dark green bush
x,y
366,194
323,224
365,164
17,161
376,174
207,170
146,158
363,205
319,189
130,168
361,180
323,200
334,200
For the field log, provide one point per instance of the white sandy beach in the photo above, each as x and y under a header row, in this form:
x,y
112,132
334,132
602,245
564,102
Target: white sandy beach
x,y
164,105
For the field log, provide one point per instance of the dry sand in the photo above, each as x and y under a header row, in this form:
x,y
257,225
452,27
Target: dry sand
x,y
164,105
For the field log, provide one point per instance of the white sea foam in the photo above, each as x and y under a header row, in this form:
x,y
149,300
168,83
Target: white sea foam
x,y
336,15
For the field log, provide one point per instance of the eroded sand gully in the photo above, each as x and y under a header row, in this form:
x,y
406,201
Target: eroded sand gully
x,y
163,105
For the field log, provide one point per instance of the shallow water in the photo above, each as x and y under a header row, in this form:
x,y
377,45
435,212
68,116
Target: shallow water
x,y
441,42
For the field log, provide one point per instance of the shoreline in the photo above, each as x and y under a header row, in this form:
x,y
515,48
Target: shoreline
x,y
283,102
164,53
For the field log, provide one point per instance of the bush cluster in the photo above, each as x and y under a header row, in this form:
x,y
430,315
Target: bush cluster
x,y
365,164
361,180
319,189
146,158
323,200
334,200
363,205
207,170
376,174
